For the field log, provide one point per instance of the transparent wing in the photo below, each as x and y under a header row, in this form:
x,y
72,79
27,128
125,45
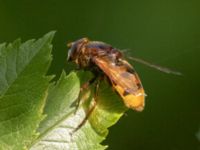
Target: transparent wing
x,y
125,81
121,74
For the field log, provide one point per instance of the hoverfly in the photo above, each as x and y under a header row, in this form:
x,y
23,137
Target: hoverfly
x,y
102,58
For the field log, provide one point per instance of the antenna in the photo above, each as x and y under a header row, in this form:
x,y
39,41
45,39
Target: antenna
x,y
162,69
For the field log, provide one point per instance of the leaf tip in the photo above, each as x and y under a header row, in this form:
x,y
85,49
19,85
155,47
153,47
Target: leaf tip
x,y
50,35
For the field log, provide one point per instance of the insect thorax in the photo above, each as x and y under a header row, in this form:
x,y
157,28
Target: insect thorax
x,y
84,53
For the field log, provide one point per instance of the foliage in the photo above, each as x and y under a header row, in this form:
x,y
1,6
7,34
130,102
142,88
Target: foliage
x,y
37,113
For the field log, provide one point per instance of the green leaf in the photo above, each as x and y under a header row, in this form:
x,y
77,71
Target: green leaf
x,y
56,130
23,90
36,114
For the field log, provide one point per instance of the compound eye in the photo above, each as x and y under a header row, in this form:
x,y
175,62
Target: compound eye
x,y
74,48
71,52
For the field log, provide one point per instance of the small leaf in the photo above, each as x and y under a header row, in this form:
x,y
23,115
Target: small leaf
x,y
23,90
56,131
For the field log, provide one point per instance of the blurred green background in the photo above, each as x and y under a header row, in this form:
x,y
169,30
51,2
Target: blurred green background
x,y
166,32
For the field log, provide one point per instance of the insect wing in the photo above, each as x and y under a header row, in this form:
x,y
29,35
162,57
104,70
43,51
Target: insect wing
x,y
125,81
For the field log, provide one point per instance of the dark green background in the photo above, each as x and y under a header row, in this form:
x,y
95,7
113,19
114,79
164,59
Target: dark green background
x,y
165,32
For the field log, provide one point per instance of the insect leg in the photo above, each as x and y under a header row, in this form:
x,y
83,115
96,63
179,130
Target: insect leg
x,y
85,86
91,108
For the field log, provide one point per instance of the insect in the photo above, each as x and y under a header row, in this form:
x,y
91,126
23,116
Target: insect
x,y
102,59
